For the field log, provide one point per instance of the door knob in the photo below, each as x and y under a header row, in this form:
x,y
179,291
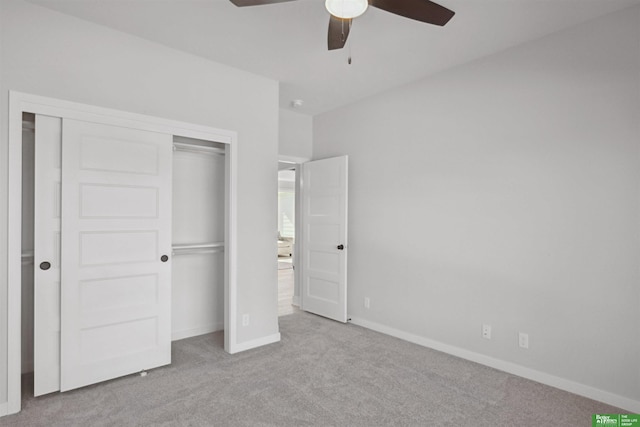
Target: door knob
x,y
164,258
45,265
340,247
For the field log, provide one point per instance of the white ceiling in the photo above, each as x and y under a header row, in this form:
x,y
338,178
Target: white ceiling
x,y
287,41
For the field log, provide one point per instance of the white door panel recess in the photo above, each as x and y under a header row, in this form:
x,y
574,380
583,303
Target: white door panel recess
x,y
47,202
324,210
116,244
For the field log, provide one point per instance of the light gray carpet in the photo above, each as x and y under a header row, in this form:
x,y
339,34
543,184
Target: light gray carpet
x,y
322,374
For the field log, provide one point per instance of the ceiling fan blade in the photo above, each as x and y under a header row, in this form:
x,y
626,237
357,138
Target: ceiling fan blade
x,y
243,3
420,10
338,32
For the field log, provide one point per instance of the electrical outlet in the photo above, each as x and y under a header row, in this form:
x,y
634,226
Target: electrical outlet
x,y
367,302
523,340
245,320
486,331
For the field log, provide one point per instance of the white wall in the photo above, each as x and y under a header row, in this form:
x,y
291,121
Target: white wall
x,y
50,54
506,191
295,134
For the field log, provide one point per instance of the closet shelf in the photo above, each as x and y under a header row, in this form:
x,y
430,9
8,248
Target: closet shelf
x,y
200,149
181,249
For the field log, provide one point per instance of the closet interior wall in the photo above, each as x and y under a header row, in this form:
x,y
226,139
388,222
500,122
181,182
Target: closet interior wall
x,y
197,235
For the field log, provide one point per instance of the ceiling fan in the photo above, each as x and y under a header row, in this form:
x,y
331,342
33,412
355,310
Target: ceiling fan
x,y
343,11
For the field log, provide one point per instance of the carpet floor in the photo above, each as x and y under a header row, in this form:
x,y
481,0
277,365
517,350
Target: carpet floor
x,y
322,373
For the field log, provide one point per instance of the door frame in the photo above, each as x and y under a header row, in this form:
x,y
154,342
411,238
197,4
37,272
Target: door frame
x,y
20,103
296,163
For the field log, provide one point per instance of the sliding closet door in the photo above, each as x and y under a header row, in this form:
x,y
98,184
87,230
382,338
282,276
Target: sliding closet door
x,y
46,255
116,243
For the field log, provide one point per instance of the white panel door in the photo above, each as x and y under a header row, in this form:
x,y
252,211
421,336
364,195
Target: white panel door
x,y
324,219
46,354
116,243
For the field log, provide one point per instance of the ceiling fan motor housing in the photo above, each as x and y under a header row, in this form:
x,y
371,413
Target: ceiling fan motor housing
x,y
346,9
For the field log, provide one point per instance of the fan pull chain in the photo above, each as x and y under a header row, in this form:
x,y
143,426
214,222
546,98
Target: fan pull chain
x,y
349,45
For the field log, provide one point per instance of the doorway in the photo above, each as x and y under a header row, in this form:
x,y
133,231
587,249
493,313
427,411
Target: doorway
x,y
320,246
287,259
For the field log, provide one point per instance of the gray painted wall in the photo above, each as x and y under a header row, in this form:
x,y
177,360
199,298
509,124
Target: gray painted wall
x,y
50,54
295,134
506,191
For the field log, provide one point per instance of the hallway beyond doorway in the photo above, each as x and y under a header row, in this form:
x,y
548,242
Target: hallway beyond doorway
x,y
285,286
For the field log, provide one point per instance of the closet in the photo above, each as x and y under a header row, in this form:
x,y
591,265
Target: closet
x,y
198,238
122,248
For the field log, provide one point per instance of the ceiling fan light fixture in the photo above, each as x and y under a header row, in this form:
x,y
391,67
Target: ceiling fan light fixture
x,y
346,9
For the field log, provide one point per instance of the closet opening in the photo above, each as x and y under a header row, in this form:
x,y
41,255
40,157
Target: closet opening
x,y
99,190
199,229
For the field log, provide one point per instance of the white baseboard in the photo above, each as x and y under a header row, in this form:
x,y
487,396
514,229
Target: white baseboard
x,y
248,345
296,301
4,409
630,405
193,332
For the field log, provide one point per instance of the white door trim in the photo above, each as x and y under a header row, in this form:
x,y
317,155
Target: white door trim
x,y
22,102
293,159
297,162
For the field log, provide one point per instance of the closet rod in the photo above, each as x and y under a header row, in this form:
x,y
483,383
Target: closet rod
x,y
201,149
27,257
27,125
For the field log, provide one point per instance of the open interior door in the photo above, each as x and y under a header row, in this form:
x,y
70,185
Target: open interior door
x,y
116,243
324,246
